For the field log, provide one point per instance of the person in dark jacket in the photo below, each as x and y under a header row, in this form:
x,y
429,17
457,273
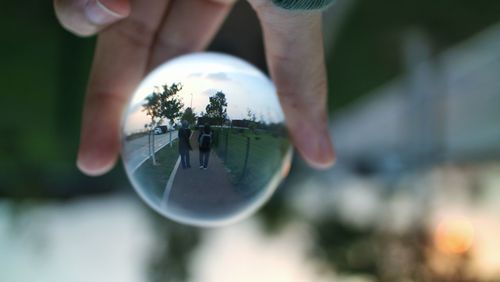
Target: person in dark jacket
x,y
184,144
205,140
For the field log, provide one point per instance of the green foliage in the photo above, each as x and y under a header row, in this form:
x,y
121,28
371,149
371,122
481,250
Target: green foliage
x,y
368,49
171,105
163,104
216,109
350,249
252,120
264,152
154,176
189,116
171,259
152,108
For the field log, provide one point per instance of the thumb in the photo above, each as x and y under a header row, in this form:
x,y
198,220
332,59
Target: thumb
x,y
87,17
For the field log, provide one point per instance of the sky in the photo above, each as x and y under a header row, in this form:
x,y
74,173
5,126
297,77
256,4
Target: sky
x,y
202,75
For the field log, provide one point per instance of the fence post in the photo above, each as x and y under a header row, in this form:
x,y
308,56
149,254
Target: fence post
x,y
225,146
153,147
245,163
149,143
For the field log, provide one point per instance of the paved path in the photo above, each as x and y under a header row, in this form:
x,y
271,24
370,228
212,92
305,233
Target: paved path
x,y
137,151
202,192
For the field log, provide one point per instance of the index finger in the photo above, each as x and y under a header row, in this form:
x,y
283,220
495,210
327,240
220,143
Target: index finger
x,y
295,56
120,61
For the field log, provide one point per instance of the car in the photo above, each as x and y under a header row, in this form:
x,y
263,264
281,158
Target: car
x,y
160,129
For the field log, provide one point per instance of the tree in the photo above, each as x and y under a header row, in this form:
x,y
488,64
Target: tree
x,y
170,104
216,109
161,104
152,107
251,115
189,116
252,120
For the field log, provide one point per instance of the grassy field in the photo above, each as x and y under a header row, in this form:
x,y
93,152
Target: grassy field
x,y
252,158
155,177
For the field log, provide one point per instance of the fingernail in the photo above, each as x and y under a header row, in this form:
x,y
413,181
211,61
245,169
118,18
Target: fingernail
x,y
99,14
93,163
316,148
325,153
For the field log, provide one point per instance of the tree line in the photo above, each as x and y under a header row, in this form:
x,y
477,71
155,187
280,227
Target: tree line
x,y
164,104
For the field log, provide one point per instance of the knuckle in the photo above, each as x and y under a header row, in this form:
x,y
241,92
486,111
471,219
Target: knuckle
x,y
175,47
106,100
136,32
312,98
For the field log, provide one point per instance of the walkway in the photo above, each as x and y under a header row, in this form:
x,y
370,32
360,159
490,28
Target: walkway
x,y
202,192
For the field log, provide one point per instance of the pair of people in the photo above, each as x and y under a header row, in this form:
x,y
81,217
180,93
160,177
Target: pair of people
x,y
205,139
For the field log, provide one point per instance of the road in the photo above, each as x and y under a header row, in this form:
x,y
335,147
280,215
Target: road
x,y
137,151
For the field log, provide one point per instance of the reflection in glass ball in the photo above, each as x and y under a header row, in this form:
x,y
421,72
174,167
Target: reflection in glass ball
x,y
204,140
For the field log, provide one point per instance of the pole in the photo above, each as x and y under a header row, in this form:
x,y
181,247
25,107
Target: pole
x,y
153,152
245,163
149,142
226,145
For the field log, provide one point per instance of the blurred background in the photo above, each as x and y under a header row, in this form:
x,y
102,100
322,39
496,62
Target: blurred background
x,y
415,195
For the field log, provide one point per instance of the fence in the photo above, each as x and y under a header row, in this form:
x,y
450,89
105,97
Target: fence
x,y
252,157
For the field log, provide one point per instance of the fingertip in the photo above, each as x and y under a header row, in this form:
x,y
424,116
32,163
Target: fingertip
x,y
94,165
323,159
316,147
121,7
105,12
322,164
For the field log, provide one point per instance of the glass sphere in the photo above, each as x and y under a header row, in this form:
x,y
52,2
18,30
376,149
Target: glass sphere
x,y
204,139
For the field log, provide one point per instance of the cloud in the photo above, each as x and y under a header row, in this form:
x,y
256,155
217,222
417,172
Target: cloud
x,y
219,76
216,76
195,75
209,92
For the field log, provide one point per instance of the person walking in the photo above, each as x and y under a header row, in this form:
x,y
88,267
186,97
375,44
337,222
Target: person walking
x,y
205,144
184,144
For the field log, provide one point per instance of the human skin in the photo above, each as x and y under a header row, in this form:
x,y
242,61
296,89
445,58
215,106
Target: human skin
x,y
135,36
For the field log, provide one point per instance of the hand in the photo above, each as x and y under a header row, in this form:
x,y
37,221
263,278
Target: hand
x,y
135,36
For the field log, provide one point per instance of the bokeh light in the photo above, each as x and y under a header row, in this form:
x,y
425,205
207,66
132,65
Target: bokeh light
x,y
454,235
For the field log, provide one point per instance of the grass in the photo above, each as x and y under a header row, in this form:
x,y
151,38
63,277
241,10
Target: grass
x,y
155,177
265,153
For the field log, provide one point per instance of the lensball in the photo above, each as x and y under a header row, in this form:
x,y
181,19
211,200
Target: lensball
x,y
204,139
